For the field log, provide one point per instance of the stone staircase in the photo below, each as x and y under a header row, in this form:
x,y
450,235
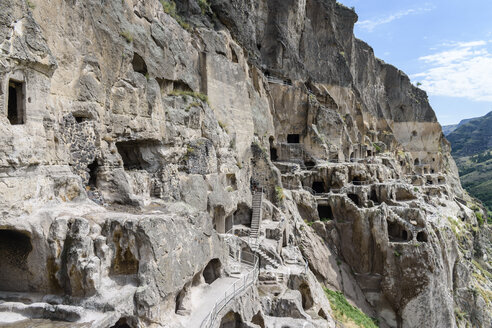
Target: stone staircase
x,y
256,216
267,258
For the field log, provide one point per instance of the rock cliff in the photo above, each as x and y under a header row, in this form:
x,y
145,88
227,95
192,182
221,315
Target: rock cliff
x,y
222,164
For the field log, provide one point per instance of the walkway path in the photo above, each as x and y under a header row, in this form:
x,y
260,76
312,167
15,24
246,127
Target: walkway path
x,y
203,299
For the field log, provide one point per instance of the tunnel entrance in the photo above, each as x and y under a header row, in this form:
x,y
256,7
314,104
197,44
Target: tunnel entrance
x,y
325,213
307,298
212,271
15,248
16,105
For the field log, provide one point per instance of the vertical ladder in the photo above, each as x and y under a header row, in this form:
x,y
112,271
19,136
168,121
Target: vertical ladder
x,y
256,217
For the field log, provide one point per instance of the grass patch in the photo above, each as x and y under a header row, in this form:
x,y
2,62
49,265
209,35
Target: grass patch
x,y
279,192
345,312
204,6
479,218
169,7
196,95
127,35
30,4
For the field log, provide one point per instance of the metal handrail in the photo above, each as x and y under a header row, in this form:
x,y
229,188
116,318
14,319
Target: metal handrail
x,y
232,292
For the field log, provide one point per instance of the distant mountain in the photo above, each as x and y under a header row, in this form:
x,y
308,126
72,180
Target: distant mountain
x,y
447,129
472,137
471,143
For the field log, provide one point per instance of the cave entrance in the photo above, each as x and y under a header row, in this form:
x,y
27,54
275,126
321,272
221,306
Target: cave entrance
x,y
397,233
15,248
121,323
16,104
374,197
231,320
139,65
416,162
325,213
319,187
307,297
212,271
309,164
243,215
219,219
369,153
355,198
293,138
93,170
273,150
132,156
422,236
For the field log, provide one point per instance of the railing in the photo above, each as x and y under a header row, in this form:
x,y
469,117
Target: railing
x,y
232,292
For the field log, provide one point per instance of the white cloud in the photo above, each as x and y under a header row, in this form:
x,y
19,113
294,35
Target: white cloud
x,y
464,70
371,24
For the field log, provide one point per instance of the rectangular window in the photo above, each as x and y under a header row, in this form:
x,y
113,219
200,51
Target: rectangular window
x,y
16,103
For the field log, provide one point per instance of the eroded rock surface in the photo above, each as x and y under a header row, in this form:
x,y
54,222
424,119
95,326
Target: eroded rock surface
x,y
135,136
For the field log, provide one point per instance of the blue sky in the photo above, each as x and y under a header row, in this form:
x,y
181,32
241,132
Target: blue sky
x,y
446,45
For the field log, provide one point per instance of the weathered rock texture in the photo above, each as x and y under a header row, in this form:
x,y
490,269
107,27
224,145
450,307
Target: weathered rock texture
x,y
131,137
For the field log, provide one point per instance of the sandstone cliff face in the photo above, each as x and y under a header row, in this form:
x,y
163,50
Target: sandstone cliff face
x,y
133,134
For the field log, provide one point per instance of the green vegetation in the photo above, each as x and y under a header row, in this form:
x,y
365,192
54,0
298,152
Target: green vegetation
x,y
169,7
419,84
479,218
347,313
396,253
127,35
204,6
279,191
196,95
223,126
377,147
472,151
30,4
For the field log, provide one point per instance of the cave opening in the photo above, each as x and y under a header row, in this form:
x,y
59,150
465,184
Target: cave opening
x,y
325,212
121,323
309,164
131,154
374,197
416,162
307,297
293,138
231,320
355,198
397,233
212,271
422,236
319,187
93,170
139,65
15,248
16,104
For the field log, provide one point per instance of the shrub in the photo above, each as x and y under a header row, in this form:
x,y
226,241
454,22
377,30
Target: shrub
x,y
204,6
345,312
279,193
169,7
127,35
479,218
377,147
196,95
